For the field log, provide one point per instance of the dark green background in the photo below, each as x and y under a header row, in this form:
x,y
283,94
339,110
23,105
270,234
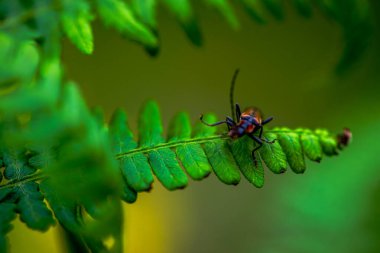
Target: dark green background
x,y
287,69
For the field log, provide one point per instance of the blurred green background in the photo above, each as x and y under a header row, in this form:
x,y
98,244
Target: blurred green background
x,y
287,69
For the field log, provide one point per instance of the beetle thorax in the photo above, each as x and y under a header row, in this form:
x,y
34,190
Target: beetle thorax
x,y
252,112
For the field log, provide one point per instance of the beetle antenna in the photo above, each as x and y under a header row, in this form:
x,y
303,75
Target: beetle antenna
x,y
232,88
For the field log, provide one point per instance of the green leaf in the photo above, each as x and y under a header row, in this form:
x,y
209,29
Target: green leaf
x,y
129,195
351,15
328,143
222,162
117,14
135,168
1,173
292,148
43,156
166,168
76,20
47,25
163,161
225,9
15,162
255,10
64,210
218,153
146,11
304,7
275,7
33,211
184,14
4,192
329,7
273,155
310,145
21,58
30,98
136,171
191,155
242,151
7,215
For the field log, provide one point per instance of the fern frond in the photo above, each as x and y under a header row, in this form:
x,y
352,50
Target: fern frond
x,y
204,149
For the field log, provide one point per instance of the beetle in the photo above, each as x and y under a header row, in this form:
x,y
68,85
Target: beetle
x,y
249,121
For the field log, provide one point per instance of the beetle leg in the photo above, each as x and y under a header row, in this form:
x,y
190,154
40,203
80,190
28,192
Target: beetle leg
x,y
237,111
261,133
230,123
268,141
213,124
265,139
260,142
267,120
256,139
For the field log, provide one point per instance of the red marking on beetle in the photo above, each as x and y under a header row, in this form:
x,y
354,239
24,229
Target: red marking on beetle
x,y
250,129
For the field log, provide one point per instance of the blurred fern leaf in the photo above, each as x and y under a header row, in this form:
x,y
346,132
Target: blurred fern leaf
x,y
76,19
137,20
117,14
225,9
41,155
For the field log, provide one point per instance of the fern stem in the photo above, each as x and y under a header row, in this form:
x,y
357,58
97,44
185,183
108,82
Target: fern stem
x,y
171,145
33,177
174,144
